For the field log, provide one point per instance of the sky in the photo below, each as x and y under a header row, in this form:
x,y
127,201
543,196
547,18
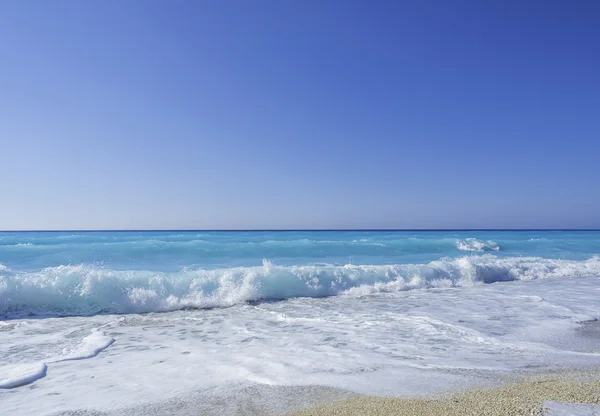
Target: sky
x,y
299,114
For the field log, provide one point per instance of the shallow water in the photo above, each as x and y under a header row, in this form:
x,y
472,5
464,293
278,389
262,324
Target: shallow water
x,y
452,318
91,273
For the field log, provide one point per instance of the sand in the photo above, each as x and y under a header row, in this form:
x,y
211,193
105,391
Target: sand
x,y
522,398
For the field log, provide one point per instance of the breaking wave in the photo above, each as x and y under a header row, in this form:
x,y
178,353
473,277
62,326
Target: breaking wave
x,y
89,289
473,244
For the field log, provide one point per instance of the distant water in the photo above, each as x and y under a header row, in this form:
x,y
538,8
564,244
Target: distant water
x,y
87,273
153,323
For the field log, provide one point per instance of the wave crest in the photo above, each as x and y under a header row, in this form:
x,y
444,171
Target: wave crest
x,y
88,290
473,244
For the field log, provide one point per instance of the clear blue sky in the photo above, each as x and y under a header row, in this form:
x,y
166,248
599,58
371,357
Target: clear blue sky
x,y
299,114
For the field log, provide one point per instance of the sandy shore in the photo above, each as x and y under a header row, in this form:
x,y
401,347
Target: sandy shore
x,y
526,397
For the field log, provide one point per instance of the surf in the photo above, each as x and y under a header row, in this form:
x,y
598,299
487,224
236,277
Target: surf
x,y
90,289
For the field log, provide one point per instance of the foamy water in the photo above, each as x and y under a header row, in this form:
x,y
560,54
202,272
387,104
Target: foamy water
x,y
114,321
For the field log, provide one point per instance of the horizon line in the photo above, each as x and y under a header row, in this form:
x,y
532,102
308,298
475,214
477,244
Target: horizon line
x,y
291,230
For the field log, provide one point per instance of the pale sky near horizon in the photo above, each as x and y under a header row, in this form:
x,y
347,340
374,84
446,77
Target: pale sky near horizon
x,y
299,114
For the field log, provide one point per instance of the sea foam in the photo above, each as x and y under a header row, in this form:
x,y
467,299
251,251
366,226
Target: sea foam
x,y
473,244
90,289
20,374
16,375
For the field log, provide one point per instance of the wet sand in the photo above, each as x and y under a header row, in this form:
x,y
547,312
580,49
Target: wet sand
x,y
526,397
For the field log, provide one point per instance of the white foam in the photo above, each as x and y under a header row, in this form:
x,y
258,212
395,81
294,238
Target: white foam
x,y
16,375
397,343
19,374
88,290
473,244
89,347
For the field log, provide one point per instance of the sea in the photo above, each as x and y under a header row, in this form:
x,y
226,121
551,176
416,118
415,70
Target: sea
x,y
262,322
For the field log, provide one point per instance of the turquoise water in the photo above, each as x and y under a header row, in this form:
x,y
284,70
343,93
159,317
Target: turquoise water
x,y
377,313
127,271
167,251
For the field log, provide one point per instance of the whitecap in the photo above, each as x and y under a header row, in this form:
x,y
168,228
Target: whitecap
x,y
473,244
90,289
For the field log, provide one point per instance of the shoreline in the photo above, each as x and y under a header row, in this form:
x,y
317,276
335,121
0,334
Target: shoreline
x,y
525,395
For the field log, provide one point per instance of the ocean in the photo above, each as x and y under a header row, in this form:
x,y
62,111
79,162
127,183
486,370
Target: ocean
x,y
132,321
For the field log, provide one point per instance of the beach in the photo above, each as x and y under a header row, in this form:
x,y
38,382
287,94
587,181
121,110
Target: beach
x,y
533,396
358,322
299,208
